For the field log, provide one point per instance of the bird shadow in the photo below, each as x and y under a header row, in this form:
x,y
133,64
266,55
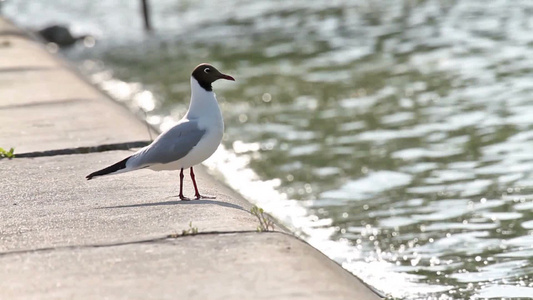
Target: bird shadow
x,y
175,202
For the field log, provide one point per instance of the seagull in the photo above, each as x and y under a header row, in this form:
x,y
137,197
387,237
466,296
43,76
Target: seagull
x,y
60,35
194,139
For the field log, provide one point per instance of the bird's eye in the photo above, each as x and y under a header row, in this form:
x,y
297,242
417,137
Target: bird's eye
x,y
207,70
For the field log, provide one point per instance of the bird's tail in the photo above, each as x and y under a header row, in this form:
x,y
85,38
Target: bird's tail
x,y
113,169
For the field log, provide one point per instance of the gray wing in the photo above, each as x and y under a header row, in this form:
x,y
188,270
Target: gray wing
x,y
170,146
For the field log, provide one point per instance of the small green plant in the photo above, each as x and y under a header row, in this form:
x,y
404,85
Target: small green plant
x,y
7,154
265,224
6,43
190,231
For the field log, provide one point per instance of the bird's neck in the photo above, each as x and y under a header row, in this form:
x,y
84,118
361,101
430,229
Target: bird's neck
x,y
202,102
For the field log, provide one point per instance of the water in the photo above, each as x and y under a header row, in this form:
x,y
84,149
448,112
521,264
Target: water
x,y
397,136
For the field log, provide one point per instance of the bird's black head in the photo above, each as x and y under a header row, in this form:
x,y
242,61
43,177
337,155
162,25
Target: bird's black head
x,y
206,74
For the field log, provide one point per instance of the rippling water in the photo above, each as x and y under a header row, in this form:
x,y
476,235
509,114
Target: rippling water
x,y
404,128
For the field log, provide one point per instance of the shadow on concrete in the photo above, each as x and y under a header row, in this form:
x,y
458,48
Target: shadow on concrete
x,y
13,33
46,103
27,69
175,202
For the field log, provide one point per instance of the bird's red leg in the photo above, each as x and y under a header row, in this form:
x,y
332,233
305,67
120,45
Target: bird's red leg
x,y
197,194
181,187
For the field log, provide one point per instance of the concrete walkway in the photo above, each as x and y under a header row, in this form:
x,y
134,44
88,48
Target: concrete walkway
x,y
119,237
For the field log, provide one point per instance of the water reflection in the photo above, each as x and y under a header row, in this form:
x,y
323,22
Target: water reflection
x,y
404,127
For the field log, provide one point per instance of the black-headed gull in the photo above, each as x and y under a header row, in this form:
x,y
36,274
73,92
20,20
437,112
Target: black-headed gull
x,y
195,138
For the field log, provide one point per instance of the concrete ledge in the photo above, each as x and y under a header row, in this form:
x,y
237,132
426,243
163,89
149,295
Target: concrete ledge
x,y
46,202
236,266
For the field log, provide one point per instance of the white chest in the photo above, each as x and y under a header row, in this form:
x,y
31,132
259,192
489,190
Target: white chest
x,y
204,109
